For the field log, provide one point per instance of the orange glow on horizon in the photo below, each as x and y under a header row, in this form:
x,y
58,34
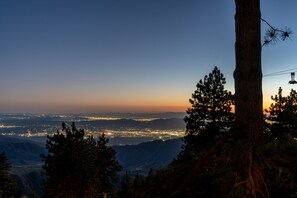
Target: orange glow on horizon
x,y
174,103
88,108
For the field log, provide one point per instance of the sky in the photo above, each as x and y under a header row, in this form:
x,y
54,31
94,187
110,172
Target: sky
x,y
126,55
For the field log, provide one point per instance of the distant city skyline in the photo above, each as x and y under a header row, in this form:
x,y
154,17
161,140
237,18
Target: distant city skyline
x,y
137,56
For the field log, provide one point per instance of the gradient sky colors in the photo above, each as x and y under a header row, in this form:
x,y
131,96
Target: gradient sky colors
x,y
125,55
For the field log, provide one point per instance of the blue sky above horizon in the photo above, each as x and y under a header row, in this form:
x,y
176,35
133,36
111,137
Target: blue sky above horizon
x,y
132,55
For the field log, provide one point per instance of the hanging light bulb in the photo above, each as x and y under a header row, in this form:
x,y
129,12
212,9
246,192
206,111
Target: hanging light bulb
x,y
292,81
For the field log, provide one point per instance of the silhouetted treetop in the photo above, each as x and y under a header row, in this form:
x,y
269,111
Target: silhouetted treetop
x,y
210,113
78,166
282,115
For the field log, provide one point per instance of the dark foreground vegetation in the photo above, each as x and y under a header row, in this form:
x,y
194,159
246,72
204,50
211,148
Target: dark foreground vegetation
x,y
78,166
212,155
8,186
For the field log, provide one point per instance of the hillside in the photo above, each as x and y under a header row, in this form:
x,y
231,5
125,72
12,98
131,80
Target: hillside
x,y
148,155
21,151
24,156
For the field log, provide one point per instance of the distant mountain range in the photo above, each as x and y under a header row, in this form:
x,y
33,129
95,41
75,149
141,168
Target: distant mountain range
x,y
21,151
148,155
153,154
50,124
172,123
24,156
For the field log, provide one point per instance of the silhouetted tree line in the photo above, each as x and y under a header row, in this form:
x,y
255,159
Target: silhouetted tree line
x,y
193,173
213,153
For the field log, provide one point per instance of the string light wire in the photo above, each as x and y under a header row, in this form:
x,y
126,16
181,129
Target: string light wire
x,y
288,71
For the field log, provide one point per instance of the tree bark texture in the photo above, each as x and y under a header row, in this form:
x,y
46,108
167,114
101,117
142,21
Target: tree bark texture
x,y
248,95
248,72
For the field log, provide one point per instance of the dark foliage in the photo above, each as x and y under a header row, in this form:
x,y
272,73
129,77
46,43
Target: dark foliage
x,y
214,171
180,180
78,166
281,163
195,173
8,187
210,115
282,116
281,146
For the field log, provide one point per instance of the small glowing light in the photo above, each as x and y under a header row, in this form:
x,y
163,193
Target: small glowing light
x,y
145,119
6,127
100,118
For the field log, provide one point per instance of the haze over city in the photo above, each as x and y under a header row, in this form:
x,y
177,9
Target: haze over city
x,y
100,56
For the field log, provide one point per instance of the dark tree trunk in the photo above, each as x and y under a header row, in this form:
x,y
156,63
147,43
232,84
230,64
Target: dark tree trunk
x,y
248,73
248,95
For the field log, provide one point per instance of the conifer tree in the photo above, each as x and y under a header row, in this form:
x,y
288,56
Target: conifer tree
x,y
78,166
210,113
280,148
282,117
8,187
